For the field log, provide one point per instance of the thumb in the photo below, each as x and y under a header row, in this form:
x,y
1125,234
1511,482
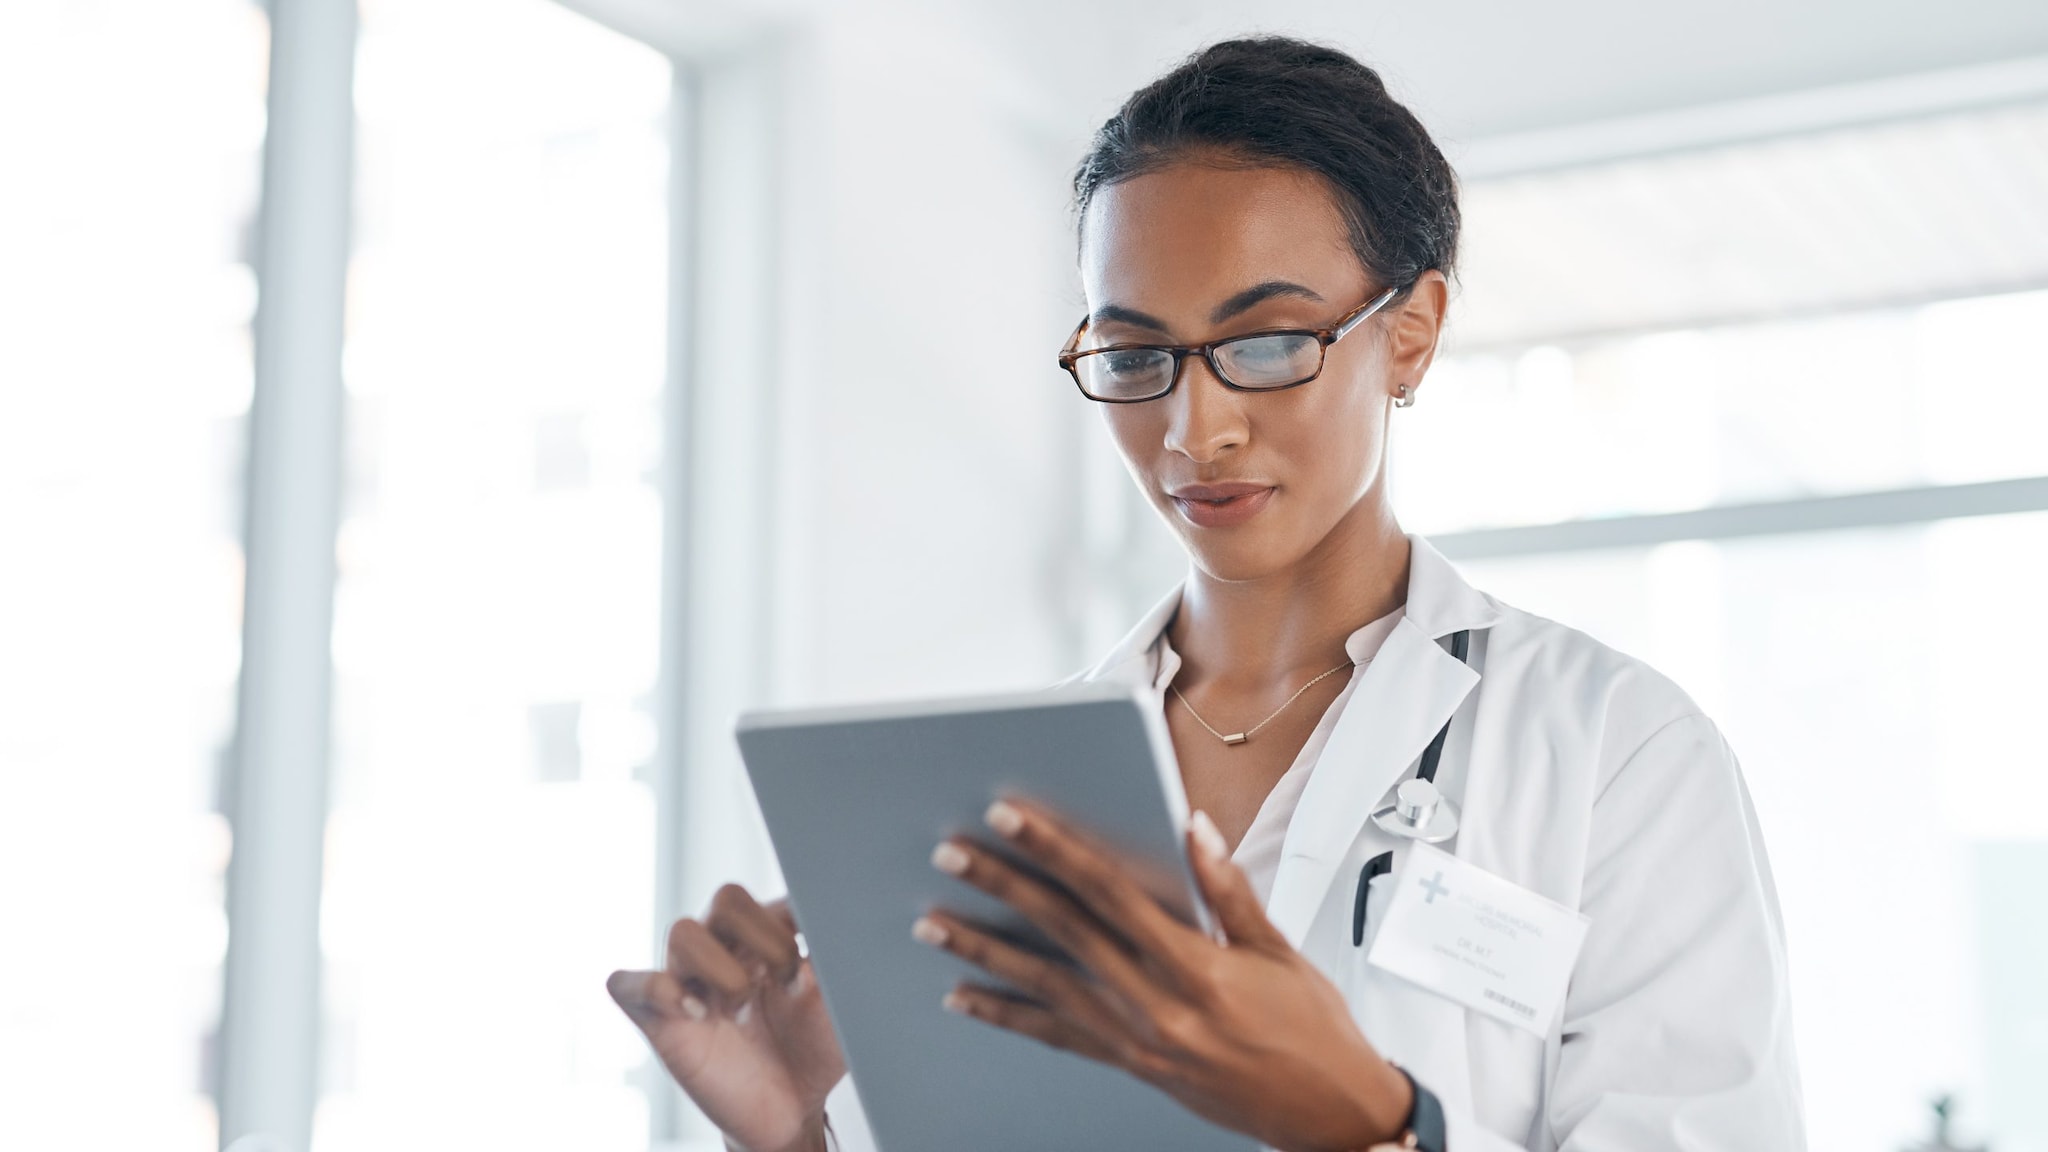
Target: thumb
x,y
678,1025
652,999
1226,888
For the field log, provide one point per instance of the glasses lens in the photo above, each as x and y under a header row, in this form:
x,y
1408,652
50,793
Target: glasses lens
x,y
1125,374
1270,361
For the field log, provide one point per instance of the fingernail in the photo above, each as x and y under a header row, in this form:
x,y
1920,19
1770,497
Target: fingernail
x,y
744,1014
954,1003
1004,818
1207,838
694,1008
949,858
930,931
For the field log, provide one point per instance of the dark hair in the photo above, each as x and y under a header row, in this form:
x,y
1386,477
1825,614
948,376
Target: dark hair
x,y
1281,101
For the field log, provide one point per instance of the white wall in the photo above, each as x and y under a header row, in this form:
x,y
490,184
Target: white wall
x,y
926,439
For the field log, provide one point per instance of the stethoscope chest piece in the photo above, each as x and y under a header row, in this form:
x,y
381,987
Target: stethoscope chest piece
x,y
1419,812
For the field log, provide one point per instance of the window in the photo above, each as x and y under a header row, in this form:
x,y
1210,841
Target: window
x,y
491,836
1771,323
125,368
1941,393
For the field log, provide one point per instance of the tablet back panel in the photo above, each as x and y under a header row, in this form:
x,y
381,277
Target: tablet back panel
x,y
855,800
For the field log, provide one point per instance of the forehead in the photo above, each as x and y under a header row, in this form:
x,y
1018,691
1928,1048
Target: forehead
x,y
1194,233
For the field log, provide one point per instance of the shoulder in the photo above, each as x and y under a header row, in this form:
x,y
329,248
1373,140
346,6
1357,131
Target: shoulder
x,y
1609,765
1583,692
1547,680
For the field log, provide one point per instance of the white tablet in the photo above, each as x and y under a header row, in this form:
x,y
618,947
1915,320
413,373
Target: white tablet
x,y
855,800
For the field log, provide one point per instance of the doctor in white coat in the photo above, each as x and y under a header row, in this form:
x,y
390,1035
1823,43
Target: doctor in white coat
x,y
1265,241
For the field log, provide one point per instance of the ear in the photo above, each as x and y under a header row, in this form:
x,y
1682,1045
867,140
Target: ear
x,y
1414,329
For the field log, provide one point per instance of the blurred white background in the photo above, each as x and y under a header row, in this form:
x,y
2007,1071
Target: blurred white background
x,y
687,357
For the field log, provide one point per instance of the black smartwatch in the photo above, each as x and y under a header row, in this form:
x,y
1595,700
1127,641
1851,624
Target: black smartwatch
x,y
1423,1130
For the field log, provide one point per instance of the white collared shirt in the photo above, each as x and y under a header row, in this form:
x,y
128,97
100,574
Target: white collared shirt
x,y
1258,854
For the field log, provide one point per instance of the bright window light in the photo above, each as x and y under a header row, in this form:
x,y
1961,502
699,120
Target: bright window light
x,y
1942,393
133,136
491,839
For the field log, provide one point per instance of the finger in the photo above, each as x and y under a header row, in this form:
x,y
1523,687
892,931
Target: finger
x,y
651,999
1072,927
780,911
1104,887
1027,1019
1056,985
804,982
698,958
1227,889
753,934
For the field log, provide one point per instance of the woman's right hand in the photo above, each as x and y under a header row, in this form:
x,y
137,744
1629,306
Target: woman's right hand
x,y
738,1020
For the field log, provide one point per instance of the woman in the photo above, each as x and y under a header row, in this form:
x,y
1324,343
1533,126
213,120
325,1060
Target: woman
x,y
1271,188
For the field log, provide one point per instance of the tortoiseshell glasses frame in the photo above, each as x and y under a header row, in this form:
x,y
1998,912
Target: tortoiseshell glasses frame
x,y
1235,360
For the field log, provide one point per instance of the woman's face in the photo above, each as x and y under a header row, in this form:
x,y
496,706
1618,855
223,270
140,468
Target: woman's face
x,y
1252,482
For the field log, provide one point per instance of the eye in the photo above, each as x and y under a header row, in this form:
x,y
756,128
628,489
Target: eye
x,y
1131,363
1278,359
1125,373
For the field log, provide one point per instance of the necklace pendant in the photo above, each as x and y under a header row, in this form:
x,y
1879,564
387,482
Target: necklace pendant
x,y
1237,737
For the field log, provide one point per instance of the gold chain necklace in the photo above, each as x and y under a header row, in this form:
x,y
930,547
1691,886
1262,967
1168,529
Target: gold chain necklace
x,y
1236,738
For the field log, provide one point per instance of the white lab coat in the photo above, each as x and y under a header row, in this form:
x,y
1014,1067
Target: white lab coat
x,y
1587,777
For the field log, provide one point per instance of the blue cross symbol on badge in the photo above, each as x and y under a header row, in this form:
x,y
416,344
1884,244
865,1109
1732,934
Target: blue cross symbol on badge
x,y
1435,887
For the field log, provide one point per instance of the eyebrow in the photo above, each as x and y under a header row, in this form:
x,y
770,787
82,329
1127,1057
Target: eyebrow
x,y
1260,293
1237,305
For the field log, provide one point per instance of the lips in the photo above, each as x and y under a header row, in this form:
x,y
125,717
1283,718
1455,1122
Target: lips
x,y
1221,505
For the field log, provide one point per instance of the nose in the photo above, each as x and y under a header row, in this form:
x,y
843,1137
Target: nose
x,y
1206,419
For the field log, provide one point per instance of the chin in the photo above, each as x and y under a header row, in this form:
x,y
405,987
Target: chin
x,y
1239,555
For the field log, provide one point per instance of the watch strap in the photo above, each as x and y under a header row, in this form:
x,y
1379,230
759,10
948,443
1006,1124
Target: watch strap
x,y
1424,1128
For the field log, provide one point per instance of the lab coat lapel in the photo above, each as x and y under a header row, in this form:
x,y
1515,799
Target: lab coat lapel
x,y
1403,697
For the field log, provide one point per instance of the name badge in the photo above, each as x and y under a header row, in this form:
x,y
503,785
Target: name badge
x,y
1484,942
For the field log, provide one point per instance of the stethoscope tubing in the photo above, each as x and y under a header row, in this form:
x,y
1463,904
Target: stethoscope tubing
x,y
1380,865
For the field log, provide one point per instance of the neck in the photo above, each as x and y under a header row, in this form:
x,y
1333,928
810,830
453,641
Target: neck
x,y
1281,627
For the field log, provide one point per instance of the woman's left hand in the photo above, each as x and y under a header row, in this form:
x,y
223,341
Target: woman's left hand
x,y
1245,1032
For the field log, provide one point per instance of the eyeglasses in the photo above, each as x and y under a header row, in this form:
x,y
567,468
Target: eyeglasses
x,y
1257,362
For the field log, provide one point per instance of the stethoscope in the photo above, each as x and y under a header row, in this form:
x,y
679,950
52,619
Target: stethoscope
x,y
1419,811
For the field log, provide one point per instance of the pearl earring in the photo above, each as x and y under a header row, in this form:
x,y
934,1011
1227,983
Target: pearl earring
x,y
1404,397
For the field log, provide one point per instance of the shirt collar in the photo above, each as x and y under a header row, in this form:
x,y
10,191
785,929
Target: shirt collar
x,y
1362,645
1440,602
